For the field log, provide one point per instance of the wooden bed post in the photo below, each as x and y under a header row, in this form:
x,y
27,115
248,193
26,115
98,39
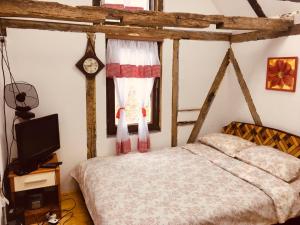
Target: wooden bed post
x,y
245,89
91,109
175,91
209,99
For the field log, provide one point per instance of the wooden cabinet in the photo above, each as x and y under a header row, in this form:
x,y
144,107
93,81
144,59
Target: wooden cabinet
x,y
44,181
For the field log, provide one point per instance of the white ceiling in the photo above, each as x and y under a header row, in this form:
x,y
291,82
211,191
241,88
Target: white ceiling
x,y
242,8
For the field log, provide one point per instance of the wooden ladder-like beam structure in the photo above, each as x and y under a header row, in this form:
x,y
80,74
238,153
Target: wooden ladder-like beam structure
x,y
229,57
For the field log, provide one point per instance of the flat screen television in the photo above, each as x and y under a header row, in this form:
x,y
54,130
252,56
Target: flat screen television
x,y
37,139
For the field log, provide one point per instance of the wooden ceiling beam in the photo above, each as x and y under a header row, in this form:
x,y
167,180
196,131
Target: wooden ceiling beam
x,y
260,35
257,8
121,31
93,14
236,23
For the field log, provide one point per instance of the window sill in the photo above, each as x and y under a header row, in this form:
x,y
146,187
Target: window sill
x,y
152,131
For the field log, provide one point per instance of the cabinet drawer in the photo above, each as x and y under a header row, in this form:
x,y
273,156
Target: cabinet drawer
x,y
34,181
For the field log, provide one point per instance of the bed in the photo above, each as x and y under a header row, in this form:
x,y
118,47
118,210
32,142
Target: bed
x,y
193,184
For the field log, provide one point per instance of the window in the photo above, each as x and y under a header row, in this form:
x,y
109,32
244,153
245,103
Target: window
x,y
134,85
132,108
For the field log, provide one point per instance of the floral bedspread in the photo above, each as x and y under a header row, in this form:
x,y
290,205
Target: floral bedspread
x,y
178,187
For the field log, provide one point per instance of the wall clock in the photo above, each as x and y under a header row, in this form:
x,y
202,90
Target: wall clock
x,y
90,65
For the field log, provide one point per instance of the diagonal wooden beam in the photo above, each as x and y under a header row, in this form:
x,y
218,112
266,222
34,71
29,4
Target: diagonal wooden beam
x,y
244,88
257,8
209,99
93,14
175,91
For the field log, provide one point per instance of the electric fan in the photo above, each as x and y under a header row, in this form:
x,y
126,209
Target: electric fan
x,y
22,97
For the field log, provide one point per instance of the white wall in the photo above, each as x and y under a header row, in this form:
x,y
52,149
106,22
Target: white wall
x,y
277,109
47,60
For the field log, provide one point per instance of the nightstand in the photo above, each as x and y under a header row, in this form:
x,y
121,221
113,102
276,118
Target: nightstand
x,y
44,182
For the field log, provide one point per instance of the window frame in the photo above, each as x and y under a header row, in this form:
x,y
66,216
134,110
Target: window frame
x,y
133,128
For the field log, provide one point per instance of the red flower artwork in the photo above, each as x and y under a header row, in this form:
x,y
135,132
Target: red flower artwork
x,y
281,74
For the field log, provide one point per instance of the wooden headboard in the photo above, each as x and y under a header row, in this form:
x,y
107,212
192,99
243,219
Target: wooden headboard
x,y
261,135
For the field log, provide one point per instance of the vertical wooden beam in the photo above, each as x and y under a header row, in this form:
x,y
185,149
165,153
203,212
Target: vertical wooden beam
x,y
209,99
257,8
96,2
2,30
245,89
91,101
159,5
175,91
91,108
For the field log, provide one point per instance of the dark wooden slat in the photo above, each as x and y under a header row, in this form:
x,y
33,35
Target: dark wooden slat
x,y
209,99
175,92
257,8
188,110
245,89
185,123
91,110
93,14
121,31
263,35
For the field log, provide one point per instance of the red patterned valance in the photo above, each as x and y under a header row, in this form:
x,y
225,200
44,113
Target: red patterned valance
x,y
117,70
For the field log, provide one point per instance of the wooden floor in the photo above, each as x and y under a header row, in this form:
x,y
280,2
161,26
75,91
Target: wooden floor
x,y
80,214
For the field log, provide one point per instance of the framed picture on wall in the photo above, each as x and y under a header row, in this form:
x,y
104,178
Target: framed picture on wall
x,y
282,74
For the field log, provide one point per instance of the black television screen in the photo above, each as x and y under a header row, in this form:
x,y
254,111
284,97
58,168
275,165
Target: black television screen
x,y
37,138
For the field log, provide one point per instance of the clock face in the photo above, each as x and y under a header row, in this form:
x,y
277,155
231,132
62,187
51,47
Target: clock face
x,y
90,65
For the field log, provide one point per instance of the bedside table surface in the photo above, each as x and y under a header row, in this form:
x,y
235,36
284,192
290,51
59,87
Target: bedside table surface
x,y
39,170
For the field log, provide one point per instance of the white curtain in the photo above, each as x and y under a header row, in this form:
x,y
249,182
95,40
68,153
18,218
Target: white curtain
x,y
143,132
123,144
137,59
132,59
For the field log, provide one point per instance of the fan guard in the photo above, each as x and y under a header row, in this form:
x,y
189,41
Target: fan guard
x,y
22,97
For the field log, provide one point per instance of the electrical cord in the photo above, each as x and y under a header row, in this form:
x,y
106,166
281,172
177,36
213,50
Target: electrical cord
x,y
67,220
73,207
4,106
69,211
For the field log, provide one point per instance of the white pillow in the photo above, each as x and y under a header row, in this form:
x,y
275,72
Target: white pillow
x,y
278,163
226,143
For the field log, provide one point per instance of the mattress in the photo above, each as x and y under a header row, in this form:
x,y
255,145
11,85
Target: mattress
x,y
194,184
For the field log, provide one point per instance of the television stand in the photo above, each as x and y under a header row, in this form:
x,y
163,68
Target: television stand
x,y
42,180
26,168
